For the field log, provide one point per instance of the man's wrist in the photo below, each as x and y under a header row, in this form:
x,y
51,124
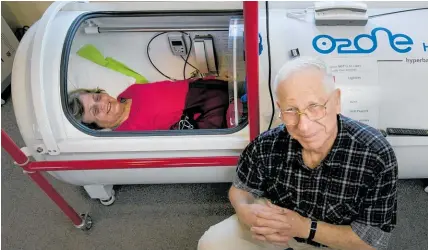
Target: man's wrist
x,y
306,228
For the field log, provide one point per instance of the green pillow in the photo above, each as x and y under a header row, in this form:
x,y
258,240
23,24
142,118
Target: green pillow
x,y
91,53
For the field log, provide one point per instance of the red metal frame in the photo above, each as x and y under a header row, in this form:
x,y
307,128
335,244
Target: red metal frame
x,y
33,169
134,163
23,161
251,29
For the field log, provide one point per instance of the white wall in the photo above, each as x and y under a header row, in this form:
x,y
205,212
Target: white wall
x,y
20,13
403,86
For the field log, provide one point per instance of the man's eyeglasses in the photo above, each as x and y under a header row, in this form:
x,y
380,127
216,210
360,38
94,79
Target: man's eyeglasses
x,y
314,112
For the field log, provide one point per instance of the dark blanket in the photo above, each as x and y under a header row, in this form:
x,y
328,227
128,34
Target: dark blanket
x,y
206,105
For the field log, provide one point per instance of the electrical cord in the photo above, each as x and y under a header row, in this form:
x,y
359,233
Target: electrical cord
x,y
189,64
185,60
396,12
148,55
269,68
301,14
187,57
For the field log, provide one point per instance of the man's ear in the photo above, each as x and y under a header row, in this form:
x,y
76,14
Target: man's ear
x,y
277,105
337,97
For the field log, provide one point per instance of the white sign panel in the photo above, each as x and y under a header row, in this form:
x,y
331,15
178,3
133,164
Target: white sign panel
x,y
354,71
361,104
358,80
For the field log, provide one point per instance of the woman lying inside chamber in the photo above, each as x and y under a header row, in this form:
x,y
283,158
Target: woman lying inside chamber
x,y
165,105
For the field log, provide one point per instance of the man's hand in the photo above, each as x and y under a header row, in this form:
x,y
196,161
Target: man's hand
x,y
247,213
279,225
247,208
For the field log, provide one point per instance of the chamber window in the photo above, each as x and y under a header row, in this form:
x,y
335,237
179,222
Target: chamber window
x,y
177,74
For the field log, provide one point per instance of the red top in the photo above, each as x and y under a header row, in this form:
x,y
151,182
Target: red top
x,y
155,106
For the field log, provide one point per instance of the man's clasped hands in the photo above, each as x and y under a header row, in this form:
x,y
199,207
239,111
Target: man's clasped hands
x,y
271,223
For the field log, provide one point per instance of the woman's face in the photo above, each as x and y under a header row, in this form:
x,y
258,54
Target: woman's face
x,y
102,109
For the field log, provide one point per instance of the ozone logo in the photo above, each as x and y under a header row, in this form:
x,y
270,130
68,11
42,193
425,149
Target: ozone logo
x,y
326,44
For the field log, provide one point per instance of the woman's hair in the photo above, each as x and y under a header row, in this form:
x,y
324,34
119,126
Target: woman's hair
x,y
76,106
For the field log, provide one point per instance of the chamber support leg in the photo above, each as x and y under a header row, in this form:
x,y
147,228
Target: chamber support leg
x,y
83,222
425,183
77,220
105,193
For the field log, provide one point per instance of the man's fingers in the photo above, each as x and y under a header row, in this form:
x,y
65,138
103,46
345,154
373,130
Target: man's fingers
x,y
282,244
269,209
271,223
261,222
270,204
274,207
276,238
259,237
278,208
268,230
264,230
272,216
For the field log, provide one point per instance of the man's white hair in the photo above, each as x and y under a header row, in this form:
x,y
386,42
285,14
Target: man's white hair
x,y
301,64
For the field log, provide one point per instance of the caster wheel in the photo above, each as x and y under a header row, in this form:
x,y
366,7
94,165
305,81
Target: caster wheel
x,y
109,201
426,189
87,220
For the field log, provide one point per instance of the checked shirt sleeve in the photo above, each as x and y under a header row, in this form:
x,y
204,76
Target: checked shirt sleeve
x,y
250,174
377,217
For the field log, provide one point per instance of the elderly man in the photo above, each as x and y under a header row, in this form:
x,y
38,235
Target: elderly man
x,y
319,180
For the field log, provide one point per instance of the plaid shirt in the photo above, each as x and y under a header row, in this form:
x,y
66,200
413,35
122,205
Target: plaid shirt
x,y
354,185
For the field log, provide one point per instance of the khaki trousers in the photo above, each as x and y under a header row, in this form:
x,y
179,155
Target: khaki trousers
x,y
231,234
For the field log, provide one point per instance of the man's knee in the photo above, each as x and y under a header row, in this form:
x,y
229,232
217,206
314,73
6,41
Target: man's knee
x,y
205,243
209,237
218,236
